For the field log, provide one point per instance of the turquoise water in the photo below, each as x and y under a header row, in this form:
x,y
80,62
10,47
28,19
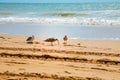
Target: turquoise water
x,y
58,13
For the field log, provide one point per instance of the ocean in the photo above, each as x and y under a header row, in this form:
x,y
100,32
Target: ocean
x,y
66,13
77,20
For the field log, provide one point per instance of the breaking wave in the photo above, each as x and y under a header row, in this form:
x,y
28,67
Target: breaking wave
x,y
65,14
6,13
81,21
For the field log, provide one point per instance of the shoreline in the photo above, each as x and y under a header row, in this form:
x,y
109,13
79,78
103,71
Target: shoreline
x,y
58,31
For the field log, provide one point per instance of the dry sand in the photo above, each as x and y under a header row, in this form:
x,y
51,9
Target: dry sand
x,y
91,60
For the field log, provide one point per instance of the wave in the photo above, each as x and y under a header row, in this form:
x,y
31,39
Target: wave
x,y
65,14
6,13
81,21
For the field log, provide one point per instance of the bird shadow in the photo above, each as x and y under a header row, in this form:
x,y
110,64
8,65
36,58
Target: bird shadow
x,y
74,45
33,42
29,42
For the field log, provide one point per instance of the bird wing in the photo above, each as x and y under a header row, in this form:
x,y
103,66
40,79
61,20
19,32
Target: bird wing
x,y
49,40
29,38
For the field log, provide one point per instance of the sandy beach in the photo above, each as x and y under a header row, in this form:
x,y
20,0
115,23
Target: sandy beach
x,y
92,51
78,60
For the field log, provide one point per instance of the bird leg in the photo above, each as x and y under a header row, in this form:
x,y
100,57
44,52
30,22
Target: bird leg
x,y
65,43
51,43
58,42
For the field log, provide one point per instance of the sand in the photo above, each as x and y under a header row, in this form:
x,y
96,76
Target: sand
x,y
77,60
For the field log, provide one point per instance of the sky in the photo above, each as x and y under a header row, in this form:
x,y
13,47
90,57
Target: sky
x,y
55,1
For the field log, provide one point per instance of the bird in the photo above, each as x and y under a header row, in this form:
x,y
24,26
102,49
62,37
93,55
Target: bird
x,y
30,39
52,40
65,38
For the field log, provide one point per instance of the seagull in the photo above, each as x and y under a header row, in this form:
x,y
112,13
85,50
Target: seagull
x,y
30,39
65,38
52,40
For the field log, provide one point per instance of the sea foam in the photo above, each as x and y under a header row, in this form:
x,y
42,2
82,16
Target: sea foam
x,y
81,21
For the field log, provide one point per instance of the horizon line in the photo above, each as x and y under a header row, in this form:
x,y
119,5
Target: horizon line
x,y
61,2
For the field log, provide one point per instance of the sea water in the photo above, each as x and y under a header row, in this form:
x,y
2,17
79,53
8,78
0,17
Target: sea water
x,y
77,20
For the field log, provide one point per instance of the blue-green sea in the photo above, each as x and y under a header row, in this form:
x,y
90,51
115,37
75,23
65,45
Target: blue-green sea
x,y
77,20
62,13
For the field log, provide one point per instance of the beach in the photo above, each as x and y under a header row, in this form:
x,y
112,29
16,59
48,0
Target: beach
x,y
92,51
78,59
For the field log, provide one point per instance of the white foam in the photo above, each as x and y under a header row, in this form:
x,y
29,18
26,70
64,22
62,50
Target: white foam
x,y
81,21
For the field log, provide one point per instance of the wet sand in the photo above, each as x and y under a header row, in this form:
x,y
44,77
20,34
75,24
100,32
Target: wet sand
x,y
59,30
78,60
